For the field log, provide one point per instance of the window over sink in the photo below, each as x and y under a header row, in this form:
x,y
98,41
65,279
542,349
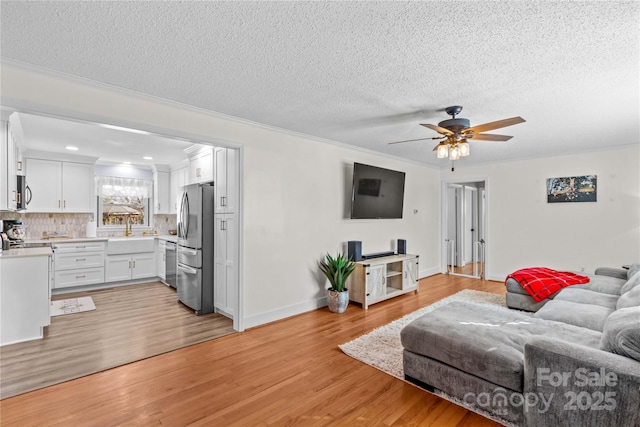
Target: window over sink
x,y
124,201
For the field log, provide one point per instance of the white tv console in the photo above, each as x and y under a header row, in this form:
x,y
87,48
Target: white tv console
x,y
378,279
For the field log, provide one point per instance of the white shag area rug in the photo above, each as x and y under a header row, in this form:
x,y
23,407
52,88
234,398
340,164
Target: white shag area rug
x,y
382,349
72,305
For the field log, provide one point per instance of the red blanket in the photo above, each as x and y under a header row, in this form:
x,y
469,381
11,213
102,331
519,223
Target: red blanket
x,y
541,282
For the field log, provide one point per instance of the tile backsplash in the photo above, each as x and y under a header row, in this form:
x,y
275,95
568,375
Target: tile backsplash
x,y
74,225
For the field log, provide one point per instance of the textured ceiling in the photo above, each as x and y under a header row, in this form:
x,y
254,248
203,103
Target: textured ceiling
x,y
361,73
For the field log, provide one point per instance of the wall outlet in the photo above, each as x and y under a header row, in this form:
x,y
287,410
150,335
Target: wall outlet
x,y
582,269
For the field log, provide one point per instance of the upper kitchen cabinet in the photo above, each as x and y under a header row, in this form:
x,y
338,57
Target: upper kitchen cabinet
x,y
200,164
178,179
161,190
226,180
60,186
11,166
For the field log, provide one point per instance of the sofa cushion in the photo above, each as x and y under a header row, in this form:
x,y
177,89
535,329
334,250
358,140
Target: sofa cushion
x,y
603,284
524,302
633,269
621,334
585,296
514,287
586,315
485,341
633,282
629,299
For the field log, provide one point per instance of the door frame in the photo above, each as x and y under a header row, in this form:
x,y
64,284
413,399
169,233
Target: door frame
x,y
444,215
10,105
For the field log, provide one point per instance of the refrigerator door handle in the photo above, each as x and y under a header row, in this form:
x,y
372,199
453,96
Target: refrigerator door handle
x,y
183,226
188,251
185,211
186,269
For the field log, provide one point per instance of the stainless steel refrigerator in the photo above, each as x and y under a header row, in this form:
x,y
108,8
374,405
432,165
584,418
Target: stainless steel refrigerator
x,y
195,248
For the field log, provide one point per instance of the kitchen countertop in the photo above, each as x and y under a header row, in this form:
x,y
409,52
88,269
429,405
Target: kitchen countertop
x,y
73,240
25,252
168,238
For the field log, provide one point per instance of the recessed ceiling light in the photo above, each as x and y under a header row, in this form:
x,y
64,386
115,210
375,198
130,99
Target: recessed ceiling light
x,y
148,158
126,163
71,148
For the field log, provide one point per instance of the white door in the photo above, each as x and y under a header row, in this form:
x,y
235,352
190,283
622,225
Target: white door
x,y
410,273
376,281
117,267
470,222
464,219
143,265
77,187
44,178
226,282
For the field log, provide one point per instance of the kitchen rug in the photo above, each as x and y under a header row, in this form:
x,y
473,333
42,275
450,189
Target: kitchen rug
x,y
72,305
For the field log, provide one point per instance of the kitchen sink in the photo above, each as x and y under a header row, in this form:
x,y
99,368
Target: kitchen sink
x,y
130,245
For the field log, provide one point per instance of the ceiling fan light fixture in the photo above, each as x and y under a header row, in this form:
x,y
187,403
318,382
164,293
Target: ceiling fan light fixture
x,y
454,152
464,148
443,150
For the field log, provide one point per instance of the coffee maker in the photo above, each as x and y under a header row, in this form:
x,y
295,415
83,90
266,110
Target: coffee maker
x,y
14,229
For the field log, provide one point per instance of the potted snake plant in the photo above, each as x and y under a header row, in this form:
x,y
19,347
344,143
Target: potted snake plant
x,y
337,271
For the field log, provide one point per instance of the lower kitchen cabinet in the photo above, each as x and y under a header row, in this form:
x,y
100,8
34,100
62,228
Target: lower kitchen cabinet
x,y
225,282
24,298
78,264
130,267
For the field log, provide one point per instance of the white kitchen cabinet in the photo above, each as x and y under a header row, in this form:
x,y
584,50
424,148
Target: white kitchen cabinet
x,y
130,267
226,180
60,186
225,265
24,298
161,257
201,165
11,165
161,186
78,264
378,279
178,179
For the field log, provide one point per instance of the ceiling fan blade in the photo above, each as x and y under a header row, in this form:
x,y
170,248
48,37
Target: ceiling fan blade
x,y
495,125
411,140
438,129
489,137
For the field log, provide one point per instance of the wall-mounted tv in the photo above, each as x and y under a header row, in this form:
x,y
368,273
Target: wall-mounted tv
x,y
377,193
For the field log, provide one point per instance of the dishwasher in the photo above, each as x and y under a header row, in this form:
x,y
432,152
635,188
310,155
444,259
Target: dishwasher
x,y
170,264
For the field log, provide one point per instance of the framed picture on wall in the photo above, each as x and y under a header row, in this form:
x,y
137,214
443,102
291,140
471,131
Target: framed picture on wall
x,y
572,189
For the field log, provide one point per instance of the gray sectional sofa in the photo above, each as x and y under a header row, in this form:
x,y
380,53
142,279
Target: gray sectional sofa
x,y
574,361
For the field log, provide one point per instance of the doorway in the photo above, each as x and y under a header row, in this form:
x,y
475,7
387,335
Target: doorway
x,y
464,227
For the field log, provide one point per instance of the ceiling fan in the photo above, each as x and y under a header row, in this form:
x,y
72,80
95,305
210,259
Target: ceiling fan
x,y
456,131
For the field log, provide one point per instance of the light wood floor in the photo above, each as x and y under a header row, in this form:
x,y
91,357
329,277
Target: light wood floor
x,y
289,372
130,323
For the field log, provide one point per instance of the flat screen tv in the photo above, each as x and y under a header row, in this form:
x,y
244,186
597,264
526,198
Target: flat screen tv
x,y
377,193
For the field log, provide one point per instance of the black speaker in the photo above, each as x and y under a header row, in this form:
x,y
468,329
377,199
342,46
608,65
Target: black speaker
x,y
354,250
402,246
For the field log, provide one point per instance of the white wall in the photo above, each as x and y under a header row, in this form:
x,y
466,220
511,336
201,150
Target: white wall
x,y
295,190
524,230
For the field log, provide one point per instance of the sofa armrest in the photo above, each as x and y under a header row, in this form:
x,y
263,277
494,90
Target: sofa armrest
x,y
618,273
569,384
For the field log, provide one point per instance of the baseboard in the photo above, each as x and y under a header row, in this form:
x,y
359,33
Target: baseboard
x,y
293,310
497,277
429,272
282,313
